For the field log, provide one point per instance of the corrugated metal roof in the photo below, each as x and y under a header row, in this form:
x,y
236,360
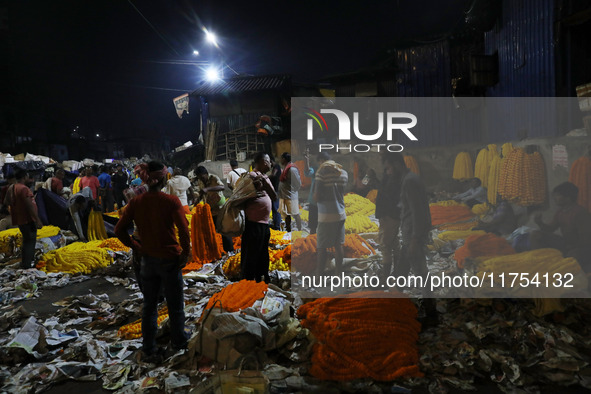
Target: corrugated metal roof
x,y
242,84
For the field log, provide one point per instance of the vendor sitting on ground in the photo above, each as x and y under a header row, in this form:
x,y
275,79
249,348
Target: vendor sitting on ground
x,y
574,222
503,221
475,195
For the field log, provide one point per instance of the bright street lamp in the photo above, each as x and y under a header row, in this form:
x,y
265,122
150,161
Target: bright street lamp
x,y
196,53
211,38
212,74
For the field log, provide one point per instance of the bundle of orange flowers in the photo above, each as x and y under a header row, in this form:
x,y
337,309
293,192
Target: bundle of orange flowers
x,y
442,214
355,246
580,175
363,337
480,245
372,195
238,296
412,165
306,181
114,244
522,179
206,243
134,330
303,254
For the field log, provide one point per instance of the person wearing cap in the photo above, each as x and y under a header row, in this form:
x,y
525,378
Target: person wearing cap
x,y
156,215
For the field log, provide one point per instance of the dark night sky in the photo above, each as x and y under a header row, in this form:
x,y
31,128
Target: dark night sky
x,y
95,62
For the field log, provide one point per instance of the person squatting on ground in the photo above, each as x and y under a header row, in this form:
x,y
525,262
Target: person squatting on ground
x,y
388,213
23,210
162,258
329,192
289,184
476,194
254,259
574,222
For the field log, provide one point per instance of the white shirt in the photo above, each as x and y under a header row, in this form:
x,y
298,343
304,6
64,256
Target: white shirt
x,y
233,176
178,185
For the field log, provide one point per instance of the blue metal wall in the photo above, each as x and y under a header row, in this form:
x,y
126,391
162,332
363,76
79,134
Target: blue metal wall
x,y
524,40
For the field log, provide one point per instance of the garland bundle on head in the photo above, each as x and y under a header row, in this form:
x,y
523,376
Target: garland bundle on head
x,y
238,296
363,337
480,245
412,165
463,168
580,176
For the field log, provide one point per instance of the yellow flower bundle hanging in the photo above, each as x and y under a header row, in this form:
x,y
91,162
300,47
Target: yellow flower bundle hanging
x,y
483,163
463,168
580,176
96,226
362,338
412,165
522,178
493,180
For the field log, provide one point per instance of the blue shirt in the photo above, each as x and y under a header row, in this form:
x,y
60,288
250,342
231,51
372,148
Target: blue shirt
x,y
104,180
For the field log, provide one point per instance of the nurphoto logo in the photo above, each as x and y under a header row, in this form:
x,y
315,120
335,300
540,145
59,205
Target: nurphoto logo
x,y
392,121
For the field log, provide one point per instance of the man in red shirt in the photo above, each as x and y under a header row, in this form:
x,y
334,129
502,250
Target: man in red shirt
x,y
155,215
90,181
57,184
24,215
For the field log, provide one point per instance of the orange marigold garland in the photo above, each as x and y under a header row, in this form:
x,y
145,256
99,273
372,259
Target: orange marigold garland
x,y
134,330
580,175
238,296
372,195
412,165
206,243
480,245
361,337
449,214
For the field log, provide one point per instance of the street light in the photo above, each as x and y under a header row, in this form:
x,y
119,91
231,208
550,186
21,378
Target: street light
x,y
211,37
212,74
196,53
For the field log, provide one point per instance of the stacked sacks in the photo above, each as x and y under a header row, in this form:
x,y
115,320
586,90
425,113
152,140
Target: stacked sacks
x,y
480,245
463,168
363,337
580,176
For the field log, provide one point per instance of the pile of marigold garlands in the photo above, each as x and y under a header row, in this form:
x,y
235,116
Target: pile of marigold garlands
x,y
78,257
134,330
363,337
